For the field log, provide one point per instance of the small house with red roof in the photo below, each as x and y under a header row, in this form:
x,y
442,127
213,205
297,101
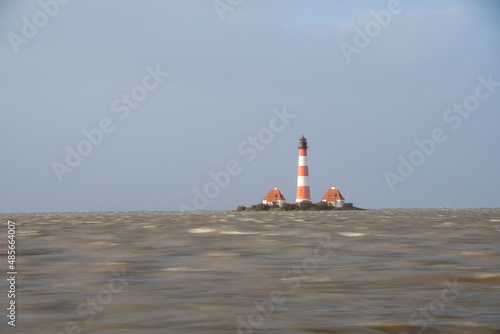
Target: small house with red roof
x,y
334,197
274,197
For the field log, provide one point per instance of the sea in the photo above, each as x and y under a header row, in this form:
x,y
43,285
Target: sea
x,y
404,271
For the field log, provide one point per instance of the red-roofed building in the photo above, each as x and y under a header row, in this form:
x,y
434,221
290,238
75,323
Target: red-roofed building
x,y
274,197
334,197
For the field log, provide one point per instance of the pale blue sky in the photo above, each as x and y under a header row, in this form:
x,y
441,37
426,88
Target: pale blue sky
x,y
225,78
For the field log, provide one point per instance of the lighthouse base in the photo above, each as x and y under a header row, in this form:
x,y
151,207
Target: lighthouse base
x,y
302,200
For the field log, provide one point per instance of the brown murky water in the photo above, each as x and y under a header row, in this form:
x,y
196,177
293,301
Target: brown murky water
x,y
374,271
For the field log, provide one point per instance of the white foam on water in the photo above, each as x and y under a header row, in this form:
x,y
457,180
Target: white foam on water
x,y
26,233
149,226
486,275
202,230
351,234
182,268
302,278
236,232
494,220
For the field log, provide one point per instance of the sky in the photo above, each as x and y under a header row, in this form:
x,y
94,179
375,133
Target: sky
x,y
199,104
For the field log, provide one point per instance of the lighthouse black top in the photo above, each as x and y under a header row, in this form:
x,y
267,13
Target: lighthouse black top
x,y
302,142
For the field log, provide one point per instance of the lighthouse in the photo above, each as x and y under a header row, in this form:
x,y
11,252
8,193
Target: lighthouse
x,y
303,191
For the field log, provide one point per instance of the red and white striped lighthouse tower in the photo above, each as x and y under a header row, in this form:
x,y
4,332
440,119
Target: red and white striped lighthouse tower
x,y
303,191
